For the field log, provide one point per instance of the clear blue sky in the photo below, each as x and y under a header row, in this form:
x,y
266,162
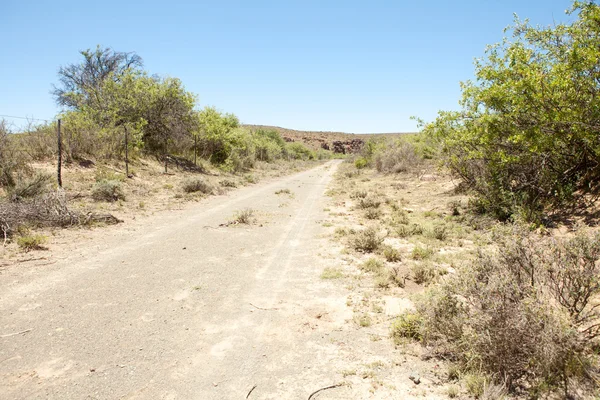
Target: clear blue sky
x,y
354,66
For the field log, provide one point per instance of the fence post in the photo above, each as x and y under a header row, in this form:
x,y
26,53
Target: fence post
x,y
195,149
126,152
166,155
59,166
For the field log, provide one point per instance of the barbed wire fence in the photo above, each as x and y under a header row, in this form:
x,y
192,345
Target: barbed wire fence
x,y
28,130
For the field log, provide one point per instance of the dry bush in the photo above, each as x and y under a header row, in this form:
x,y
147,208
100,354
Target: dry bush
x,y
359,194
12,160
373,213
108,190
44,211
245,216
366,241
228,183
28,188
193,185
542,292
399,157
423,273
391,254
368,202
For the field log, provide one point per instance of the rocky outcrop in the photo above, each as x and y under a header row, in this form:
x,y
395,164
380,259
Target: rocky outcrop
x,y
348,146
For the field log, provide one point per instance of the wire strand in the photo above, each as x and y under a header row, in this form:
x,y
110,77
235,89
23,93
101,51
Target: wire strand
x,y
26,118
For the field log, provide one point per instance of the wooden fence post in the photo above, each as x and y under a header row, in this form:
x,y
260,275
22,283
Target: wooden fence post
x,y
59,166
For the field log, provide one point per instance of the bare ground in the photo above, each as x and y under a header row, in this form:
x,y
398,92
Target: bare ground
x,y
180,306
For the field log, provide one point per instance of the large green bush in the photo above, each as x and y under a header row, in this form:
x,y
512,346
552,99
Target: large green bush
x,y
526,137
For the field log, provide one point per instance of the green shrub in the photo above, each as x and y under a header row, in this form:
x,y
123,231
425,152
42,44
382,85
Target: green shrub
x,y
406,326
108,191
34,242
524,149
194,185
361,163
299,151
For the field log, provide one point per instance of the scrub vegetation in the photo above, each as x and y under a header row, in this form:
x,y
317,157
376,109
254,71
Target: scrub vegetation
x,y
114,110
486,222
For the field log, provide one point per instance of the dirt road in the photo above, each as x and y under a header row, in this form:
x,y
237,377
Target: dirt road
x,y
179,307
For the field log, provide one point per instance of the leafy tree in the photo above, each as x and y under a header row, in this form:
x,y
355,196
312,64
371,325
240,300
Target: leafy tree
x,y
216,132
527,136
81,84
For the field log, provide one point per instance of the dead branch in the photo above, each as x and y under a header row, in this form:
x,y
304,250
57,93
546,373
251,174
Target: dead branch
x,y
251,390
265,309
325,388
16,333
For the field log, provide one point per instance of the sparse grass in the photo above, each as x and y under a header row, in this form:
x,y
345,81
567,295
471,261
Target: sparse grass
x,y
105,174
453,391
453,372
404,231
284,191
372,265
31,242
108,190
332,273
348,372
250,178
421,253
363,320
194,185
367,240
475,384
340,232
439,232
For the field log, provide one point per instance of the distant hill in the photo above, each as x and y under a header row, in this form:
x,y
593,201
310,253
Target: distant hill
x,y
315,139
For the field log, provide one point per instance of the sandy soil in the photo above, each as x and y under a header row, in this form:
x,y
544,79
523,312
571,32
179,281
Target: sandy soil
x,y
179,306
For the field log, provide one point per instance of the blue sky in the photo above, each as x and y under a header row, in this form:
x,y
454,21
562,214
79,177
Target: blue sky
x,y
353,66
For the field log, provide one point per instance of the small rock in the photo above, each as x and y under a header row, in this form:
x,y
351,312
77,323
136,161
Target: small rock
x,y
415,378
